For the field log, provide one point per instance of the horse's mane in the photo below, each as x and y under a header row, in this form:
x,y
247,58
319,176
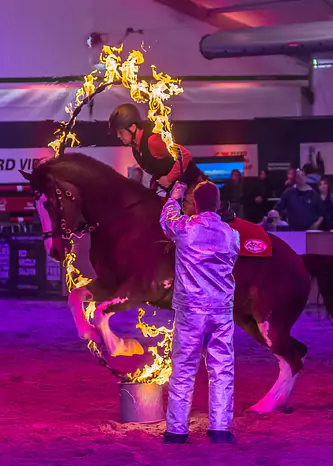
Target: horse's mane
x,y
82,170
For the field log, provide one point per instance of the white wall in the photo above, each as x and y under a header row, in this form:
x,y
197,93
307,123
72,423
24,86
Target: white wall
x,y
199,102
323,91
43,38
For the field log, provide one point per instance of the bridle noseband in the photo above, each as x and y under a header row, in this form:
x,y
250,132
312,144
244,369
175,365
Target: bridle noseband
x,y
66,233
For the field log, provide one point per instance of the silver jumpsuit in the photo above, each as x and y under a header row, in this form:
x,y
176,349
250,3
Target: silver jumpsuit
x,y
206,252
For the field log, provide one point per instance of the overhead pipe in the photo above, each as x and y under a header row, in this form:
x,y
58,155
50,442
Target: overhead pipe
x,y
201,78
300,40
259,4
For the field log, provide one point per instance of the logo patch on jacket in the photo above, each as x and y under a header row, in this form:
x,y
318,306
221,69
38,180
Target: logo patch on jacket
x,y
256,246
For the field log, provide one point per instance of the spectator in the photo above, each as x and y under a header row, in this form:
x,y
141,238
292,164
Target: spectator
x,y
273,221
290,181
255,198
314,170
302,205
312,177
233,192
327,198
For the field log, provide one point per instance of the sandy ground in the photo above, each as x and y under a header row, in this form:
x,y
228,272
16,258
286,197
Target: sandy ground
x,y
58,406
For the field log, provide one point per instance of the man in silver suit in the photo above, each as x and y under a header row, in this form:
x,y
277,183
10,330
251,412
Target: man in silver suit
x,y
203,298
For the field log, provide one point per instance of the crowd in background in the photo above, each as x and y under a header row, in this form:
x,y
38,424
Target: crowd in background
x,y
303,201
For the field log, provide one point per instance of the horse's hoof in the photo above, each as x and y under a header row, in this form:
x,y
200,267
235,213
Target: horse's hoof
x,y
287,409
260,409
264,409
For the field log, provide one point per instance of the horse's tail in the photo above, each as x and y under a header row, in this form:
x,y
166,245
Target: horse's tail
x,y
321,267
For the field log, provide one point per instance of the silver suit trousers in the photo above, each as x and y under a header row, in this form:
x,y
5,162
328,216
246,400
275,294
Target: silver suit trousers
x,y
195,334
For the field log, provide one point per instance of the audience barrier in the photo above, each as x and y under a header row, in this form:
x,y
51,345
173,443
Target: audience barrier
x,y
26,271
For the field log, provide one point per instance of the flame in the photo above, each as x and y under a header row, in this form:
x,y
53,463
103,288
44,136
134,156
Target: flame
x,y
111,60
160,370
155,93
56,144
75,279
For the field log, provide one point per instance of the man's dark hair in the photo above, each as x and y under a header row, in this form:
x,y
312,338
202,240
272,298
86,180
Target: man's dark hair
x,y
236,171
308,168
207,197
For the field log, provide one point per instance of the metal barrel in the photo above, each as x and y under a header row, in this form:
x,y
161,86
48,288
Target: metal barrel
x,y
141,402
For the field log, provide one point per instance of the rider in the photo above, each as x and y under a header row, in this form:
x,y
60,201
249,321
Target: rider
x,y
152,155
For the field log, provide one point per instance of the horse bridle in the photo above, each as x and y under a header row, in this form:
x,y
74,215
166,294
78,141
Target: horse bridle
x,y
65,233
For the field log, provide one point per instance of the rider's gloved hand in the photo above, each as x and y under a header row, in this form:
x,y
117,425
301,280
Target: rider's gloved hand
x,y
178,191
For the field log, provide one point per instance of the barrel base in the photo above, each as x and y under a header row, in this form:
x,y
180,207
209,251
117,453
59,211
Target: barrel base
x,y
141,403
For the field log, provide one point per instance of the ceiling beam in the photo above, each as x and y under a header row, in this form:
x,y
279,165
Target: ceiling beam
x,y
202,14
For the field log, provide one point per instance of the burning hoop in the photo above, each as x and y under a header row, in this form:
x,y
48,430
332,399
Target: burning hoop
x,y
155,93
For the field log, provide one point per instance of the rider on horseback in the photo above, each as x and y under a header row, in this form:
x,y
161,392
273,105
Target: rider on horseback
x,y
152,155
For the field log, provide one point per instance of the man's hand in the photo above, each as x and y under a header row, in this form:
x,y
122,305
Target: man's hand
x,y
316,225
178,191
164,182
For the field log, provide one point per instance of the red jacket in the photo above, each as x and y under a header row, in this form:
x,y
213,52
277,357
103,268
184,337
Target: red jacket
x,y
159,150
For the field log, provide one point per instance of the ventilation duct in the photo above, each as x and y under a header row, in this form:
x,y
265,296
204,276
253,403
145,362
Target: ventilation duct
x,y
290,39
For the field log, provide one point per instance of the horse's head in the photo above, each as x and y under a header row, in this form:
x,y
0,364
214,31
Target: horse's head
x,y
59,207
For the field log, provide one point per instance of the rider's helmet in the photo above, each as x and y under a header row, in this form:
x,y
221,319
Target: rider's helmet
x,y
124,116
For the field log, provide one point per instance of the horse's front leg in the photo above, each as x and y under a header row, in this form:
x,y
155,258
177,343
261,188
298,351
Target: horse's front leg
x,y
76,301
115,345
97,327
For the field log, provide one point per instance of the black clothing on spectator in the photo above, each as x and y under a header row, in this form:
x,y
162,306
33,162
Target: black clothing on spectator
x,y
234,192
327,223
254,210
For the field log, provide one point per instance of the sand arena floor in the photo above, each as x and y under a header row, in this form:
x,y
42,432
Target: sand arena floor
x,y
58,406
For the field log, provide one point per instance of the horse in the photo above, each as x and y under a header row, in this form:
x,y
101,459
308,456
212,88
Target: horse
x,y
134,265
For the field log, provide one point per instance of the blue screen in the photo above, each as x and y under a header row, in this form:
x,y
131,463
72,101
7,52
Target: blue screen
x,y
220,170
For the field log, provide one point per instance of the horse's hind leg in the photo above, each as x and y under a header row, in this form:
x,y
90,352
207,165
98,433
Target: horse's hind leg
x,y
289,353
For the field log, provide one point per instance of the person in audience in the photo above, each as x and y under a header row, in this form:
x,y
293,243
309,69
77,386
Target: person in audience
x,y
302,205
233,191
255,198
327,198
273,222
291,179
314,170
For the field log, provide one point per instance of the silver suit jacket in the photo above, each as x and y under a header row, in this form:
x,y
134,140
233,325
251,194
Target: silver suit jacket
x,y
206,252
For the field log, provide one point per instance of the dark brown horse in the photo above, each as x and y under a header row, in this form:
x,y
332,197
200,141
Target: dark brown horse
x,y
133,265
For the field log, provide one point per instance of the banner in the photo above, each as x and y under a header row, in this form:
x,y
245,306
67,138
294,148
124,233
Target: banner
x,y
13,160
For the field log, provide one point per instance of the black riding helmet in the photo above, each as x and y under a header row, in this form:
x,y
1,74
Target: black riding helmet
x,y
124,116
